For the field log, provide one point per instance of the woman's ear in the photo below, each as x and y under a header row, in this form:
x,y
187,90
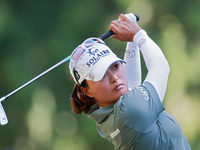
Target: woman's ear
x,y
86,91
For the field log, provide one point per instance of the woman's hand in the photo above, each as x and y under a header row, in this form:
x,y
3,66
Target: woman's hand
x,y
124,29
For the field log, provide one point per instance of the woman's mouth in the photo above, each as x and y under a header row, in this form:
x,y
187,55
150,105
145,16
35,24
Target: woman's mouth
x,y
118,87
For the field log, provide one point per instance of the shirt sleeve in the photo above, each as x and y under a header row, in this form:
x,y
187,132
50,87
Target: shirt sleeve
x,y
132,66
139,108
156,63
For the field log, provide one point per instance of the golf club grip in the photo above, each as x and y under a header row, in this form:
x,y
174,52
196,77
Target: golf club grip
x,y
106,35
109,33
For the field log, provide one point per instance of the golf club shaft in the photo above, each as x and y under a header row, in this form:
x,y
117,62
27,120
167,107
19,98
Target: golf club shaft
x,y
37,77
43,73
103,37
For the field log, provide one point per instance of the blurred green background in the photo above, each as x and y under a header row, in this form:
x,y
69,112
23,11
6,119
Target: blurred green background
x,y
36,34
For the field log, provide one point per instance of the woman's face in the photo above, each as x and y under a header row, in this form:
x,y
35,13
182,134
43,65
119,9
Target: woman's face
x,y
111,87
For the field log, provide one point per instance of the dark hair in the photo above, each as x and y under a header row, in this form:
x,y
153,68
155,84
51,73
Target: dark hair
x,y
80,101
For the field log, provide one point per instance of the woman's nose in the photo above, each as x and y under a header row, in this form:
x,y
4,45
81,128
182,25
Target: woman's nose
x,y
114,77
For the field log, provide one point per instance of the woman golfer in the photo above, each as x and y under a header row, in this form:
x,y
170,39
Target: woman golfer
x,y
128,113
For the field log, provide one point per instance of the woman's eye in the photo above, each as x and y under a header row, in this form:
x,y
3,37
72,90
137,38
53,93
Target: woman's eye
x,y
116,65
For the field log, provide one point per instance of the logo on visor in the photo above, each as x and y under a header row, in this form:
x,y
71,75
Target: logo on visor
x,y
77,75
92,52
97,55
91,76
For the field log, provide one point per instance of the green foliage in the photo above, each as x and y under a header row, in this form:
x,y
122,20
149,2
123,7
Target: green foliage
x,y
34,35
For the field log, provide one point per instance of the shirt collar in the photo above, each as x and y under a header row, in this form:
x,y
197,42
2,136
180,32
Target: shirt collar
x,y
100,114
